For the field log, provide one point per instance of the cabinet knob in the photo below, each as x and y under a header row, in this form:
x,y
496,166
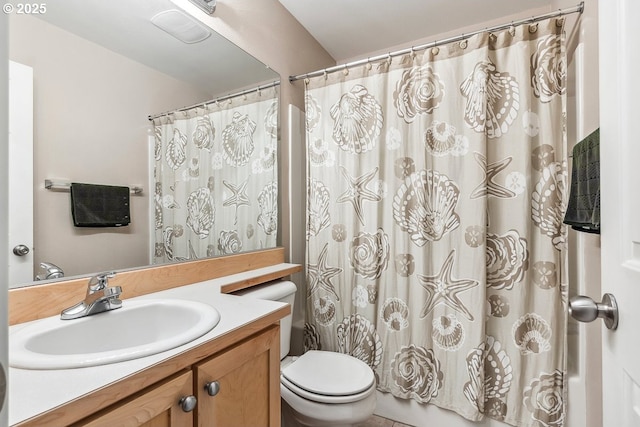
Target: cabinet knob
x,y
212,388
188,403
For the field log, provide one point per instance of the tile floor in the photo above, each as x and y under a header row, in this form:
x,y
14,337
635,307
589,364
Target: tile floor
x,y
376,421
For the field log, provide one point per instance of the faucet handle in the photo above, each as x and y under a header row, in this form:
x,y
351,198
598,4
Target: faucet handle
x,y
100,281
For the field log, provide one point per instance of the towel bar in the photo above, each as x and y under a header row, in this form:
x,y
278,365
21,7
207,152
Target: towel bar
x,y
49,184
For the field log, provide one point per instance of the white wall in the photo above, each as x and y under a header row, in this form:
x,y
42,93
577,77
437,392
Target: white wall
x,y
4,195
90,125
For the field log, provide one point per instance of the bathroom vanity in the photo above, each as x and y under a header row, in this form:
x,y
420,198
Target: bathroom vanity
x,y
228,376
237,385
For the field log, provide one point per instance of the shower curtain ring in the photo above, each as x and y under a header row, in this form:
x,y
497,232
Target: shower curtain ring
x,y
346,70
369,66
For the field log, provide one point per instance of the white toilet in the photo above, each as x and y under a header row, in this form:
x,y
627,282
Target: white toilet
x,y
319,388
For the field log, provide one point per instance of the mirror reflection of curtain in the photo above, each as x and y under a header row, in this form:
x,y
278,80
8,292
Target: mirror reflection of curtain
x,y
436,251
216,178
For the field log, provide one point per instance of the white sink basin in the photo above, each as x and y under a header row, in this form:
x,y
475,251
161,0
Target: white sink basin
x,y
138,329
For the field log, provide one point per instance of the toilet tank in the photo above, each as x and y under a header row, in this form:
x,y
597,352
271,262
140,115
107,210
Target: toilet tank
x,y
283,291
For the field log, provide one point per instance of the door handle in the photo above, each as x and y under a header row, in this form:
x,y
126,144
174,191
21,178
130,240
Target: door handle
x,y
585,309
21,250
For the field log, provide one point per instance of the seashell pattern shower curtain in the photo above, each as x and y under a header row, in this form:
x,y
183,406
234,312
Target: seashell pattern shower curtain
x,y
436,253
216,190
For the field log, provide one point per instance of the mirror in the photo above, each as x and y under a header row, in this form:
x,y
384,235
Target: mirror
x,y
100,69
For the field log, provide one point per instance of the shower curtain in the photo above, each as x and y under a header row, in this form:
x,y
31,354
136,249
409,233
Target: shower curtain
x,y
216,178
436,251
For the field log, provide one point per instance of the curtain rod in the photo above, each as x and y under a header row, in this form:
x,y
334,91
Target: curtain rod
x,y
576,9
221,98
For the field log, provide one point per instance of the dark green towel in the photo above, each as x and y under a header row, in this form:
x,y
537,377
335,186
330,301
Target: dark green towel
x,y
99,205
583,211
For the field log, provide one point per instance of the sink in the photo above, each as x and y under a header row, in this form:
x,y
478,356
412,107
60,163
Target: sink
x,y
138,329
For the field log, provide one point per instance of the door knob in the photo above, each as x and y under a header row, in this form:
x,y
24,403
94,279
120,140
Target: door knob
x,y
584,309
20,250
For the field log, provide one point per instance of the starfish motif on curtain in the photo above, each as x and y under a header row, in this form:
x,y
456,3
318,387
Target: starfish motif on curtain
x,y
488,186
444,289
319,276
358,191
239,196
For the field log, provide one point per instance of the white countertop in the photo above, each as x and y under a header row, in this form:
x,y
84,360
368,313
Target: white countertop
x,y
32,392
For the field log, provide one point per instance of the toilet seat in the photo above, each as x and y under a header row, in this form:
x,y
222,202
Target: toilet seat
x,y
329,377
321,398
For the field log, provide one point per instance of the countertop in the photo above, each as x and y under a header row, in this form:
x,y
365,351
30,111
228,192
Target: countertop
x,y
32,392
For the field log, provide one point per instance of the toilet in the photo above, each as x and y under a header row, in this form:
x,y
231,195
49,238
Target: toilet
x,y
319,388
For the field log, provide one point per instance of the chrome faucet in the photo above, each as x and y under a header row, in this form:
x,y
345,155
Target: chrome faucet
x,y
100,297
49,271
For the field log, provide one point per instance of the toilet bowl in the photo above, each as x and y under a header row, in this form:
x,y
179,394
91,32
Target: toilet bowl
x,y
324,388
319,388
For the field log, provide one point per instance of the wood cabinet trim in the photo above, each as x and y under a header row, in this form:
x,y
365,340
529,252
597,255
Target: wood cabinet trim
x,y
257,348
248,283
144,406
241,352
274,386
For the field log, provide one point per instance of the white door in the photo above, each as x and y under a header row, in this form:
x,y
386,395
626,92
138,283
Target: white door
x,y
4,212
20,173
620,198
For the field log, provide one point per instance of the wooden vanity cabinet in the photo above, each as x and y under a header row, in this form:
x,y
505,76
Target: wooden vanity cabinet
x,y
240,387
246,391
156,406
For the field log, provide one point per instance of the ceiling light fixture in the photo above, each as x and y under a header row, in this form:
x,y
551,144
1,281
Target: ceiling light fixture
x,y
207,5
181,26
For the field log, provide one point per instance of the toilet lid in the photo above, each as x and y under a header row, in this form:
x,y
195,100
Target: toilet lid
x,y
330,374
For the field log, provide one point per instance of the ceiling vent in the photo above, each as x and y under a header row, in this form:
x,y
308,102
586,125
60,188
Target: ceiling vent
x,y
181,26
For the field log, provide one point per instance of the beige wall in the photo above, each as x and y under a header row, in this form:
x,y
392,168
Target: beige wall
x,y
430,37
90,125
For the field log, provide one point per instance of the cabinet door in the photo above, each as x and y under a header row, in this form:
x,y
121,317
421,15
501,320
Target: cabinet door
x,y
248,384
157,407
